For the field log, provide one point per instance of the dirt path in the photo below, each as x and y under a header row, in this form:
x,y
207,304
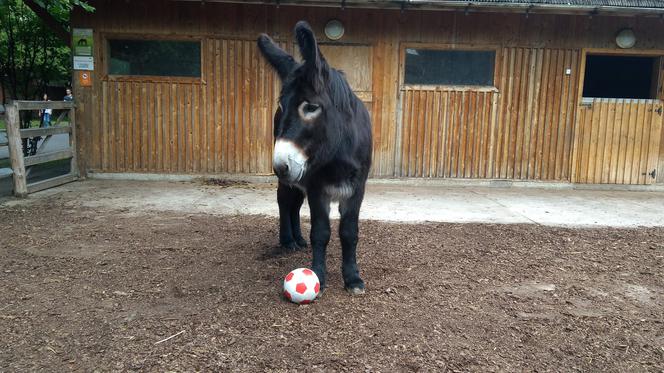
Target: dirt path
x,y
385,202
96,288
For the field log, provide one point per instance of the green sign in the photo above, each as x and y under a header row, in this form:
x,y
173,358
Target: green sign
x,y
82,42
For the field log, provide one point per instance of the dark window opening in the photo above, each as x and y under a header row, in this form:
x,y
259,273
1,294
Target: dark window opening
x,y
620,77
449,67
155,58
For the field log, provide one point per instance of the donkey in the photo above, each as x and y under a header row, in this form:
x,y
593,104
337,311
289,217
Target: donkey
x,y
322,150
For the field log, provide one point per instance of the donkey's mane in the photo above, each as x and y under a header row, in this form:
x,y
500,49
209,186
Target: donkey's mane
x,y
340,92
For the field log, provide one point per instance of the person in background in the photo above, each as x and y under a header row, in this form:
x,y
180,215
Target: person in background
x,y
45,114
69,96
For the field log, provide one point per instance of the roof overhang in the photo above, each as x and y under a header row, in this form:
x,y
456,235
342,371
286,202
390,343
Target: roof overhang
x,y
465,6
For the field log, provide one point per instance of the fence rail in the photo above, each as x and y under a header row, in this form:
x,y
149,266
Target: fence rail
x,y
4,171
15,136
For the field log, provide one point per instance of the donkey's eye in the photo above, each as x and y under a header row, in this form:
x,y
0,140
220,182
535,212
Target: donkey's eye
x,y
311,108
308,111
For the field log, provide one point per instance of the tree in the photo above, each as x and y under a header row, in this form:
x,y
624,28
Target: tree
x,y
51,13
33,51
34,48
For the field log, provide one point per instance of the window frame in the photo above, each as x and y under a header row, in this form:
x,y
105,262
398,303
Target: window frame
x,y
447,47
659,88
106,37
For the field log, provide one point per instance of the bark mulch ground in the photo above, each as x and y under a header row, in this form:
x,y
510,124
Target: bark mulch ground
x,y
88,289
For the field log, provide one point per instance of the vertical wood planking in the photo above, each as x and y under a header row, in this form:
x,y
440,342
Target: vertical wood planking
x,y
618,141
444,132
224,124
637,166
655,143
221,124
528,123
522,131
519,132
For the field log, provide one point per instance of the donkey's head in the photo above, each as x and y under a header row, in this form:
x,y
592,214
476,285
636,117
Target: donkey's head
x,y
314,105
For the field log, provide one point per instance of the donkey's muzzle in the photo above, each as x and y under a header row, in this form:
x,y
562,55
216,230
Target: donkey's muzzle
x,y
289,161
281,170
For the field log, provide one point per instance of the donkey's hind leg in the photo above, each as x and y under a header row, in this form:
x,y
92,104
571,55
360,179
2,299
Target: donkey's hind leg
x,y
290,201
348,233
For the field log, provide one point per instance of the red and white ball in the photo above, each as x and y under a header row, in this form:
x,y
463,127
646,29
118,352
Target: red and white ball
x,y
301,286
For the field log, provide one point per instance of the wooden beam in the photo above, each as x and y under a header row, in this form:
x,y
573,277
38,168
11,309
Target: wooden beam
x,y
48,157
58,29
50,183
16,151
32,132
39,105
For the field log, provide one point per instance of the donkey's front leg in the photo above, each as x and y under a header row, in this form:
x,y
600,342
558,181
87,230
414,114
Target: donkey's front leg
x,y
290,200
319,205
348,232
298,200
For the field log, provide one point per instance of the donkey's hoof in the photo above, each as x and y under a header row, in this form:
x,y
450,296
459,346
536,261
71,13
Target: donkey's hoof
x,y
290,246
354,284
356,291
302,243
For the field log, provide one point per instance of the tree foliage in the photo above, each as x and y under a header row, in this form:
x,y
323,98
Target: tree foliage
x,y
63,7
31,55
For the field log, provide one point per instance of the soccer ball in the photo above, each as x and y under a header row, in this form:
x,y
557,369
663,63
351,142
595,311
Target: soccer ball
x,y
301,286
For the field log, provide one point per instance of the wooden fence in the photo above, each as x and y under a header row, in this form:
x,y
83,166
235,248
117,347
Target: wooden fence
x,y
15,136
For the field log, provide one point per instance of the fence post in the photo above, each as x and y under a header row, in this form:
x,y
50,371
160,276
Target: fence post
x,y
16,150
74,169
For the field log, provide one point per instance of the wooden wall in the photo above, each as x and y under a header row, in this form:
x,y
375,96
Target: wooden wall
x,y
618,141
219,124
525,128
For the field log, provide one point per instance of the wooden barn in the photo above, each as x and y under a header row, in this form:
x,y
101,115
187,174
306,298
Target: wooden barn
x,y
545,90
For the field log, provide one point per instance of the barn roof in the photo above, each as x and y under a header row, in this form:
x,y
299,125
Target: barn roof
x,y
652,7
572,3
556,6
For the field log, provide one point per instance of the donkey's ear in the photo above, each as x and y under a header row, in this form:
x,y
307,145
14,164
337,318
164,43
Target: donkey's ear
x,y
313,60
282,62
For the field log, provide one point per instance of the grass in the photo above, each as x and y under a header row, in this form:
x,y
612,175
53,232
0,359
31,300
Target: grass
x,y
33,123
6,163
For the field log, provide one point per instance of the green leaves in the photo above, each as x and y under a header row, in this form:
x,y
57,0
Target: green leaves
x,y
31,55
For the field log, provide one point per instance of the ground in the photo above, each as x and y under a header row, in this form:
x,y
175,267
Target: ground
x,y
89,282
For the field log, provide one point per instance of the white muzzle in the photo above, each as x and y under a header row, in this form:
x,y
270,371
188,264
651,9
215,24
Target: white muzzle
x,y
289,161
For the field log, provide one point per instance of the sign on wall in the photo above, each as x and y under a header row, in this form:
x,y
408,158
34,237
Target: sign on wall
x,y
83,63
83,46
85,79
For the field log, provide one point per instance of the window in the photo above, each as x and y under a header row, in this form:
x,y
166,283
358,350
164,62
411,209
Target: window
x,y
155,58
620,77
449,67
